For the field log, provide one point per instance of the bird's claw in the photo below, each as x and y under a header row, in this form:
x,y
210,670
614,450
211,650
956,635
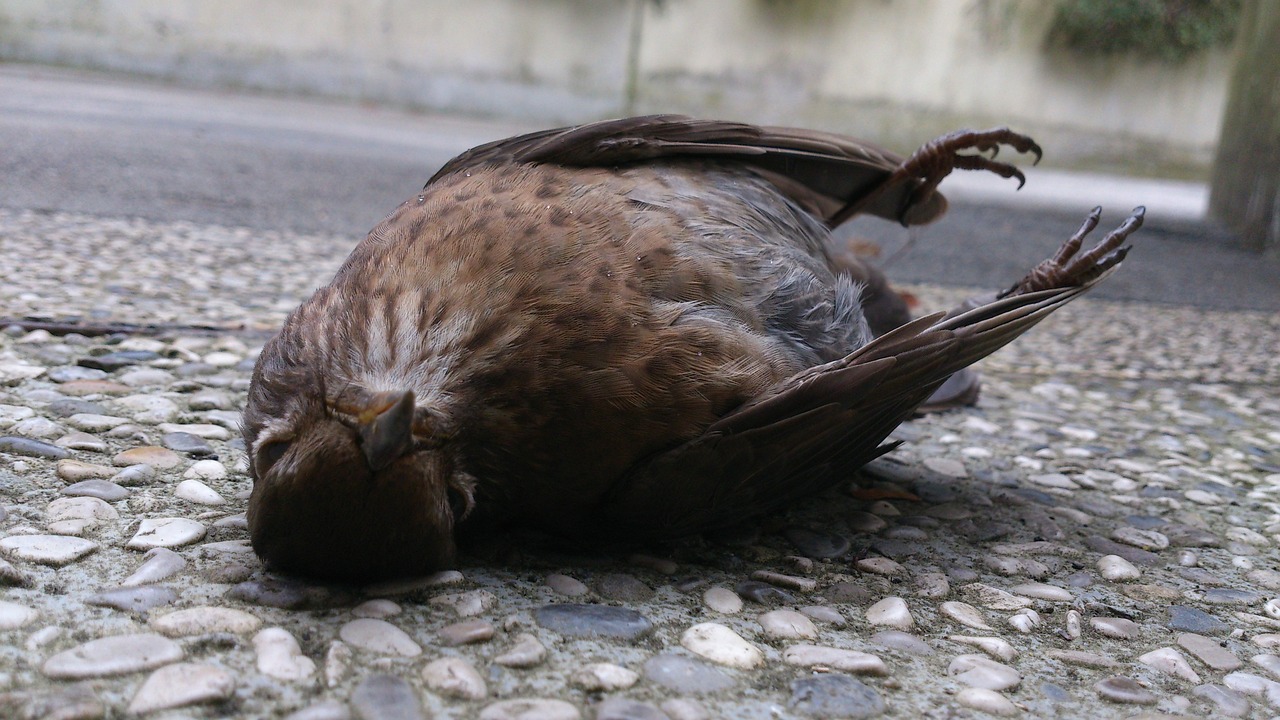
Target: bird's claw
x,y
935,160
1067,269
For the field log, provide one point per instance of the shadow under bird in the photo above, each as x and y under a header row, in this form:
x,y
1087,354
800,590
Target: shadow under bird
x,y
633,329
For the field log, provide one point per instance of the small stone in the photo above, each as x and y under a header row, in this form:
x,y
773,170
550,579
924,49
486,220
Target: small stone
x,y
194,491
890,612
965,614
379,636
865,522
32,448
981,671
149,409
185,442
55,550
787,581
834,696
338,659
685,709
1120,689
158,564
102,489
206,620
454,677
722,600
205,470
566,585
880,566
898,640
75,470
81,441
466,633
763,593
208,432
1025,620
1082,658
987,701
1190,619
787,625
1121,628
1231,596
527,652
147,377
1040,591
817,544
467,604
12,576
78,515
946,466
685,675
824,614
89,422
619,586
1170,661
1227,702
1268,662
993,646
323,710
114,655
14,616
1114,567
182,684
136,599
280,657
850,661
386,697
134,475
1145,539
379,608
603,677
530,709
719,644
994,598
1209,652
156,457
166,532
578,620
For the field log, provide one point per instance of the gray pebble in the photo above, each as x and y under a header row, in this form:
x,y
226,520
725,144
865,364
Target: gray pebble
x,y
582,620
1125,690
270,592
619,586
98,488
32,448
386,697
1228,596
187,443
133,599
1189,619
1227,702
466,633
898,640
834,696
158,564
817,544
73,373
685,675
764,593
620,708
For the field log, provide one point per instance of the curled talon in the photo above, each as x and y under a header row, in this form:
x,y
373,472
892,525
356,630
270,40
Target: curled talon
x,y
1066,269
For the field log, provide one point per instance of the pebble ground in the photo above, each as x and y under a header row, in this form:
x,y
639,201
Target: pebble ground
x,y
1097,538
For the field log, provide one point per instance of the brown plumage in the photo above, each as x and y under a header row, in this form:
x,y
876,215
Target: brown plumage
x,y
632,327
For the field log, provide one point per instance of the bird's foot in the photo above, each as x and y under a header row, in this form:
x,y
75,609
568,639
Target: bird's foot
x,y
1066,269
935,160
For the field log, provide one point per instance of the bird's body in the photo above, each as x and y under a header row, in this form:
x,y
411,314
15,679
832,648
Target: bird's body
x,y
595,335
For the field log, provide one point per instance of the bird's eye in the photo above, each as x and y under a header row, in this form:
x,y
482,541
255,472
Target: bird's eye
x,y
459,504
272,452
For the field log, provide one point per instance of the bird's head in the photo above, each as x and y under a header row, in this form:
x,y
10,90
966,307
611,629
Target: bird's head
x,y
353,486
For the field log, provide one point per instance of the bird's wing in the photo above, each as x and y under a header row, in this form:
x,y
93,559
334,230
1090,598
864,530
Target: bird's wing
x,y
823,172
816,428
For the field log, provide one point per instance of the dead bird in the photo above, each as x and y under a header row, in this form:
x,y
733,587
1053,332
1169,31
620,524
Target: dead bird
x,y
633,328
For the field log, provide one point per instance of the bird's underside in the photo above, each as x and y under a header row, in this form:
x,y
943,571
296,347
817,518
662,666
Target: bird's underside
x,y
634,328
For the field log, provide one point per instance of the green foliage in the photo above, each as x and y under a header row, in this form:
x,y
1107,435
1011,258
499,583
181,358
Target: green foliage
x,y
1170,30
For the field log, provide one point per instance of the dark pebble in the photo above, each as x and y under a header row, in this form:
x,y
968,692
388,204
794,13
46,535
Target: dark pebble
x,y
115,360
1035,496
847,592
896,548
236,443
386,697
134,599
1188,536
1228,596
1189,619
582,620
194,369
270,592
1145,522
187,443
618,586
71,374
816,543
834,696
1121,689
764,593
620,708
1106,546
1218,489
32,448
685,675
1201,576
101,489
934,492
689,584
66,407
229,574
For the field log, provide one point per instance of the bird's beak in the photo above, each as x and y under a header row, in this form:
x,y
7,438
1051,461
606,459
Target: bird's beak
x,y
386,428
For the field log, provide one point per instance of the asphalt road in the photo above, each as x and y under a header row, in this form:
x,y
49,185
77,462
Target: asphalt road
x,y
112,146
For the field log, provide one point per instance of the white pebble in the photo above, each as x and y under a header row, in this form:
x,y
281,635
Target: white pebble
x,y
194,491
166,532
280,657
850,661
722,600
182,684
1114,567
379,636
787,625
719,644
987,701
603,677
206,619
14,616
891,612
982,672
206,470
454,677
1172,662
965,614
993,646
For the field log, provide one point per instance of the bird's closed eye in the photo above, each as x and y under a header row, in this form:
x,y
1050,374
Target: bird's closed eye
x,y
271,452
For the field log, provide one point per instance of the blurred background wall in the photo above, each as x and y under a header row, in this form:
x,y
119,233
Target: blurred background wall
x,y
895,71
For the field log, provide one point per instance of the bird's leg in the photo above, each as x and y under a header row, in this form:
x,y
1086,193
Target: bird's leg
x,y
935,160
1066,269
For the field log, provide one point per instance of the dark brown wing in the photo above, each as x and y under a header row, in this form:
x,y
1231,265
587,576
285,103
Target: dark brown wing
x,y
823,172
817,428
